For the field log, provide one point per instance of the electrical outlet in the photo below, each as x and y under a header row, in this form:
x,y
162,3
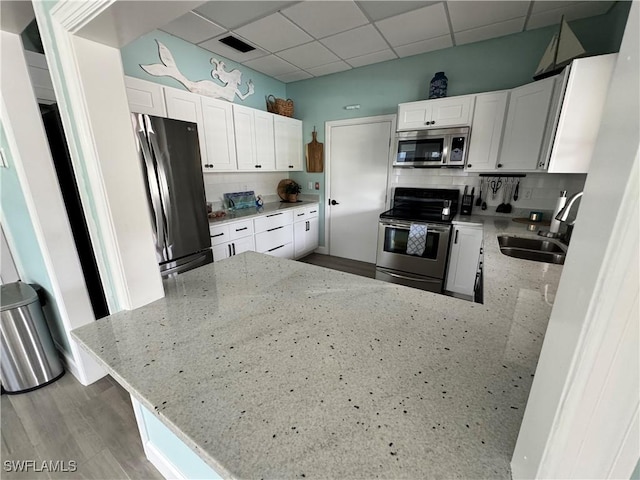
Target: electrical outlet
x,y
310,186
526,193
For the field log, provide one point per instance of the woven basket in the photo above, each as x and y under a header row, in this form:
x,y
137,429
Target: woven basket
x,y
280,106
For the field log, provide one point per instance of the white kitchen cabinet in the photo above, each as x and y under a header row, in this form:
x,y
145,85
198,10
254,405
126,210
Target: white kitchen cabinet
x,y
438,113
219,134
305,230
527,126
464,256
232,239
580,114
255,148
145,97
288,143
486,131
274,233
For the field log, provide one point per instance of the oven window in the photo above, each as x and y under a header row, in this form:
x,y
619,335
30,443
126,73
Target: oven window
x,y
395,241
425,150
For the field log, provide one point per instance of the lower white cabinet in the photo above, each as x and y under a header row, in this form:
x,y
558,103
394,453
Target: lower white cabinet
x,y
464,258
232,239
305,230
287,233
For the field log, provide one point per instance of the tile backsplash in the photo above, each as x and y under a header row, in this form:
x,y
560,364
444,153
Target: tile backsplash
x,y
262,183
538,191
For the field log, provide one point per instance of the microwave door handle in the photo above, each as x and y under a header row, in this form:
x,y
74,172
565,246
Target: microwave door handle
x,y
445,149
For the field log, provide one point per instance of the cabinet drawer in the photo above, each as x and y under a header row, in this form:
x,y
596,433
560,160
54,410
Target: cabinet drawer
x,y
219,234
240,229
305,213
283,251
273,220
272,239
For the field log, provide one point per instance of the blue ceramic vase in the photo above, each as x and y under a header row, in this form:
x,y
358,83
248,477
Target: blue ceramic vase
x,y
438,86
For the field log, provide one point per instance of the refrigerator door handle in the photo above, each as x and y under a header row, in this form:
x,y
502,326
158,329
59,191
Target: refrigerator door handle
x,y
163,190
152,182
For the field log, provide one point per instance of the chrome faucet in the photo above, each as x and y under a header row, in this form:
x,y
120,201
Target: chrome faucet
x,y
564,214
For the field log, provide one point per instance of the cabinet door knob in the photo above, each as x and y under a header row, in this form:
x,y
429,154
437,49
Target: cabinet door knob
x,y
433,122
469,165
290,166
499,165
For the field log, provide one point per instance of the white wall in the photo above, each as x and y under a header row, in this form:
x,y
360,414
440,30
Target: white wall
x,y
581,419
264,183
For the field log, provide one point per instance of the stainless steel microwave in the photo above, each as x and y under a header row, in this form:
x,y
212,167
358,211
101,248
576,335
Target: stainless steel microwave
x,y
443,147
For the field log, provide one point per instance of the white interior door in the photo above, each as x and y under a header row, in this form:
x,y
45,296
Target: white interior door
x,y
358,165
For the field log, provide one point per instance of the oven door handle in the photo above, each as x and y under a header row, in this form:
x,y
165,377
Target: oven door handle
x,y
404,277
406,227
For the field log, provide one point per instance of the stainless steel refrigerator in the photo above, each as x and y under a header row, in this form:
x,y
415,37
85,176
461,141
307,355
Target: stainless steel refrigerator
x,y
170,156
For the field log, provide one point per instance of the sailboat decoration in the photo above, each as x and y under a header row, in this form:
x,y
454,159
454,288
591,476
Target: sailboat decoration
x,y
563,48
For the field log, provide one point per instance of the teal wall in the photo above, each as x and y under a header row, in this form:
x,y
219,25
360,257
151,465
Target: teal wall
x,y
194,63
23,241
494,64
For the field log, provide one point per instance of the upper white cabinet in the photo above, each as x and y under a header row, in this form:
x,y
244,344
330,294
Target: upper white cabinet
x,y
219,135
145,97
526,126
254,139
288,143
580,115
486,131
441,112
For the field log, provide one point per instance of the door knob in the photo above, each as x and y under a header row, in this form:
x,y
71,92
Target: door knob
x,y
333,202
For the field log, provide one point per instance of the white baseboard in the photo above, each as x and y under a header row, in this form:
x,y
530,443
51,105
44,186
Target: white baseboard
x,y
68,362
86,377
322,250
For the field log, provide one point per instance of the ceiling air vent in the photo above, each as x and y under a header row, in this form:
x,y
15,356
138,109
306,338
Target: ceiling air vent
x,y
236,43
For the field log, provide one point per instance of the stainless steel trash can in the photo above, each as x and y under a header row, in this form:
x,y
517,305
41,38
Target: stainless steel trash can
x,y
28,359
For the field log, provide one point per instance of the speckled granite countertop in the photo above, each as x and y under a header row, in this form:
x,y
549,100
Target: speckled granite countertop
x,y
271,368
245,213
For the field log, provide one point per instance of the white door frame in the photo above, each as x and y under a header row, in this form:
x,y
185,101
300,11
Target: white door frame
x,y
327,136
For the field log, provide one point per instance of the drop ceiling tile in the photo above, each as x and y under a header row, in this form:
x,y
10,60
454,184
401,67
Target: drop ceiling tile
x,y
466,15
308,55
324,18
424,46
232,14
422,24
356,42
543,6
329,68
294,76
271,65
370,58
274,33
571,12
489,31
378,10
193,28
215,46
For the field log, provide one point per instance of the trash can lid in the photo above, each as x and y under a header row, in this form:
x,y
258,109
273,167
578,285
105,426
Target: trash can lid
x,y
16,294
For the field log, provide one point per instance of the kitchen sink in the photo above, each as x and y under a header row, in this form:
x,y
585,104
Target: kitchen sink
x,y
533,249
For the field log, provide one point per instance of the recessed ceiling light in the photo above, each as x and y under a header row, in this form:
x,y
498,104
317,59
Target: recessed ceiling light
x,y
237,44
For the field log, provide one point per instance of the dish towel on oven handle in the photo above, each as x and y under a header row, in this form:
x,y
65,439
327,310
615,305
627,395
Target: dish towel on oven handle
x,y
417,240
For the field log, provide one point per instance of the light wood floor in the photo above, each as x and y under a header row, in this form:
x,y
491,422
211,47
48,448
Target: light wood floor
x,y
342,264
93,426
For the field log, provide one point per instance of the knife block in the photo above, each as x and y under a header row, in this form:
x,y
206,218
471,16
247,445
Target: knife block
x,y
467,204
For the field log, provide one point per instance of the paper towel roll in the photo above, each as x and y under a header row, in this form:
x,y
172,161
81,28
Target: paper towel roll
x,y
562,200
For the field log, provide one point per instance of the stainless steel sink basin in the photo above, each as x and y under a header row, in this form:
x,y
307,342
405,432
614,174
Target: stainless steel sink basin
x,y
534,249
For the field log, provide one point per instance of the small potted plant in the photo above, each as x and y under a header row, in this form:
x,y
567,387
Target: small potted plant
x,y
291,190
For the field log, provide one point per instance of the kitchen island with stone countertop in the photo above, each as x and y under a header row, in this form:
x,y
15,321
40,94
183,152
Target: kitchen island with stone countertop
x,y
271,368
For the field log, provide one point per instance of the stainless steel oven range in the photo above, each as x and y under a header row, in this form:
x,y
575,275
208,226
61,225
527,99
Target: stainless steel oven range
x,y
413,237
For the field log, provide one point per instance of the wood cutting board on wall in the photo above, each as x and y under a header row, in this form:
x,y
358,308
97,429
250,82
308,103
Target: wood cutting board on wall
x,y
315,154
